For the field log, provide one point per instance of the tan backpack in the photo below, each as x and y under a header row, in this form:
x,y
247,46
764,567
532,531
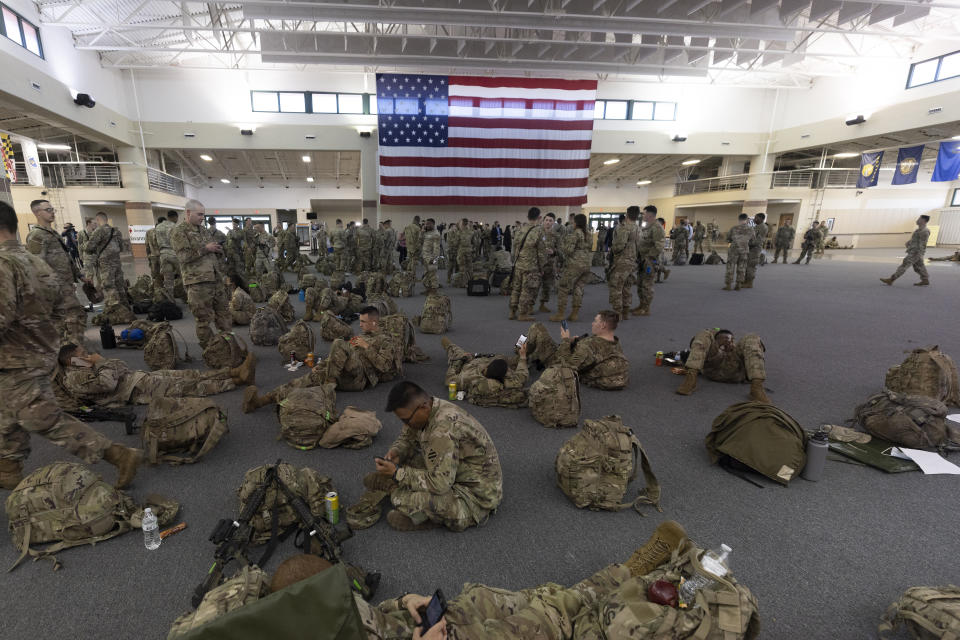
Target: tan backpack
x,y
306,482
355,429
249,585
161,350
225,350
280,301
437,314
914,421
383,303
400,329
266,327
595,466
192,426
242,307
256,292
300,340
401,285
554,398
926,372
332,327
305,414
928,612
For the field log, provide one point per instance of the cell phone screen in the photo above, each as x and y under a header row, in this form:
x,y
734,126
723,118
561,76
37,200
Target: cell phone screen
x,y
435,610
563,324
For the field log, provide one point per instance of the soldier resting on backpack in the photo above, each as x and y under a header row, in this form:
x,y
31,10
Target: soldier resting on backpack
x,y
488,380
360,363
714,353
337,301
442,470
86,378
597,357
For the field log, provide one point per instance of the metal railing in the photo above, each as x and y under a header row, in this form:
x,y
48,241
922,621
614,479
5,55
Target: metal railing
x,y
815,178
706,185
75,174
786,179
160,181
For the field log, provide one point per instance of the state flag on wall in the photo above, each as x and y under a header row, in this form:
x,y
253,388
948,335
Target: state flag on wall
x,y
869,169
6,155
464,140
948,162
908,164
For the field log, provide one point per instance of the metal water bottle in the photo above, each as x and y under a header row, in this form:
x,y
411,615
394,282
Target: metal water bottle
x,y
108,339
817,447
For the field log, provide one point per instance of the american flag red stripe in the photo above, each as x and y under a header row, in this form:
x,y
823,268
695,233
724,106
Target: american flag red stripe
x,y
442,181
481,201
521,123
480,163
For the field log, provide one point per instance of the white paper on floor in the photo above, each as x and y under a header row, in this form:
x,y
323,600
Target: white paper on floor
x,y
928,461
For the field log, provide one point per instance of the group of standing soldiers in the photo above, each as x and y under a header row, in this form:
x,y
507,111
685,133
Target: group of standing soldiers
x,y
359,248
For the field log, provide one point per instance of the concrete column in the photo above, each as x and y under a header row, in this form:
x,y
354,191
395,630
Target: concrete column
x,y
758,181
370,180
137,207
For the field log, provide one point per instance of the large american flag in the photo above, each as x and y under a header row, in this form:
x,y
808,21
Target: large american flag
x,y
461,140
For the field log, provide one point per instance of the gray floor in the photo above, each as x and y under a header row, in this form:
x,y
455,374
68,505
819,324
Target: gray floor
x,y
825,559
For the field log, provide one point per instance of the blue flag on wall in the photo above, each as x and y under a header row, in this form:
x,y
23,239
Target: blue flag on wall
x,y
948,162
869,169
908,164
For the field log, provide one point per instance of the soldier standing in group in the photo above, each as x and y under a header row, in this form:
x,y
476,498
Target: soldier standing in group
x,y
916,247
712,236
529,256
364,260
430,250
234,250
264,249
376,259
289,248
452,237
649,250
809,242
44,242
338,242
575,249
249,248
199,255
153,258
465,251
783,242
84,236
699,233
623,262
548,277
169,265
223,261
678,236
741,239
414,238
822,239
760,230
388,262
350,248
31,303
103,259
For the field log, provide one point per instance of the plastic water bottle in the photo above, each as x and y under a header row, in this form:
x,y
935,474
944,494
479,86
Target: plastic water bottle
x,y
716,562
151,530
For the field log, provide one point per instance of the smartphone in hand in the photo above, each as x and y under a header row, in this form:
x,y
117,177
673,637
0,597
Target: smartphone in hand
x,y
434,611
563,325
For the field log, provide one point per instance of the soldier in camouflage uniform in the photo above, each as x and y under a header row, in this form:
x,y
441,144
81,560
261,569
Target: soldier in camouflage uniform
x,y
760,229
442,470
487,380
364,261
623,268
376,255
741,239
783,242
169,265
809,242
466,251
548,276
234,251
360,363
916,247
30,305
714,353
650,251
679,239
103,261
713,234
350,248
529,255
249,248
264,249
153,258
89,379
84,236
575,249
45,243
699,233
452,237
822,238
388,261
430,250
597,357
414,238
339,242
199,256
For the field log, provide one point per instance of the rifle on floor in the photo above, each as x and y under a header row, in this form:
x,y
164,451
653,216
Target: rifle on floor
x,y
95,414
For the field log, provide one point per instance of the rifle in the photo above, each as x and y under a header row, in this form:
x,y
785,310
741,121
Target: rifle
x,y
92,414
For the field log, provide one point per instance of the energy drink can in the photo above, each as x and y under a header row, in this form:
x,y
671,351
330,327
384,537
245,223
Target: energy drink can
x,y
452,391
333,507
659,360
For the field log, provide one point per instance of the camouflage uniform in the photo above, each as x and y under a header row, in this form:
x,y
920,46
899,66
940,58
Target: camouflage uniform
x,y
250,250
783,243
453,250
822,233
576,269
354,368
743,362
103,261
600,362
430,250
449,470
265,245
753,259
169,265
916,247
291,248
30,306
350,249
234,251
467,371
205,293
529,255
111,383
699,233
623,271
678,235
338,240
741,239
414,237
376,254
389,260
364,261
548,277
809,244
153,259
649,249
82,239
466,253
46,244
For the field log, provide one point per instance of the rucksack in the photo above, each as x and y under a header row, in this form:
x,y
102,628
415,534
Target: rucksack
x,y
478,287
760,437
280,300
401,284
250,584
332,327
242,307
383,304
256,292
271,282
306,482
913,421
696,258
306,413
375,283
142,289
926,372
554,398
355,429
266,327
163,311
928,612
595,466
161,350
400,328
225,350
437,314
190,425
299,340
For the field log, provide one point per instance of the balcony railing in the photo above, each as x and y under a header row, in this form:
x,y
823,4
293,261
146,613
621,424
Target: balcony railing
x,y
75,174
815,179
706,185
160,181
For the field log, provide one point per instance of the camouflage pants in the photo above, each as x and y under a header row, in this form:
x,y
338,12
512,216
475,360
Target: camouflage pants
x,y
249,260
387,263
679,249
750,349
915,261
451,269
431,280
548,281
736,266
805,250
524,289
31,407
698,245
344,365
349,261
181,383
449,509
540,344
465,263
262,265
753,259
647,276
170,271
573,280
209,303
74,322
110,276
785,250
619,281
364,260
156,274
414,258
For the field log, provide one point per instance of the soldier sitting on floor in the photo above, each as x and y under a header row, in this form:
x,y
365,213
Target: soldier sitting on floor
x,y
714,353
487,380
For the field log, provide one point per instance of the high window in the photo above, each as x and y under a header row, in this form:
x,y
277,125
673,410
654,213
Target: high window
x,y
24,33
934,70
312,102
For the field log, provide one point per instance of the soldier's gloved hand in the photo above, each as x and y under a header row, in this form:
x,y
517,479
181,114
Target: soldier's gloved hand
x,y
436,632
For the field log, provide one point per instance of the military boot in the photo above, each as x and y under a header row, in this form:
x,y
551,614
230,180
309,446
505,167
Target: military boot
x,y
126,460
624,313
11,473
667,537
445,342
543,308
574,314
252,401
246,373
689,383
376,481
887,281
513,313
923,283
641,311
736,287
308,316
747,284
400,522
561,309
666,274
526,315
727,287
757,393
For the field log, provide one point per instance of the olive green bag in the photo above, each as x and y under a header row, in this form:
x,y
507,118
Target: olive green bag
x,y
929,613
300,341
554,398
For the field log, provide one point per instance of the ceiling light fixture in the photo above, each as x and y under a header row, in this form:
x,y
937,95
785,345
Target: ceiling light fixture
x,y
679,138
205,157
54,147
246,132
305,158
687,163
845,155
640,183
954,138
224,181
309,178
856,120
611,161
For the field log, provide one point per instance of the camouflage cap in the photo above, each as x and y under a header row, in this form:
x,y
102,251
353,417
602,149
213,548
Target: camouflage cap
x,y
367,511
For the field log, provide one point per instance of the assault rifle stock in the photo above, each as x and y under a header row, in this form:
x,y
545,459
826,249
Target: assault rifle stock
x,y
93,414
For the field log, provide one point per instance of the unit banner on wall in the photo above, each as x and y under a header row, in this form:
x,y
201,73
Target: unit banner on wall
x,y
948,162
6,155
32,161
869,169
908,164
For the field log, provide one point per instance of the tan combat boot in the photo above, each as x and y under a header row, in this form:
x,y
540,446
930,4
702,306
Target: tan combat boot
x,y
624,314
727,287
11,473
526,315
252,402
922,283
668,536
543,308
445,342
574,314
736,287
757,393
513,313
126,460
561,309
641,311
689,383
308,316
887,281
401,522
666,274
246,373
748,284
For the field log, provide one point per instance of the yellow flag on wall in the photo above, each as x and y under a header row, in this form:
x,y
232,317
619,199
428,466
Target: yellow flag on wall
x,y
6,155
